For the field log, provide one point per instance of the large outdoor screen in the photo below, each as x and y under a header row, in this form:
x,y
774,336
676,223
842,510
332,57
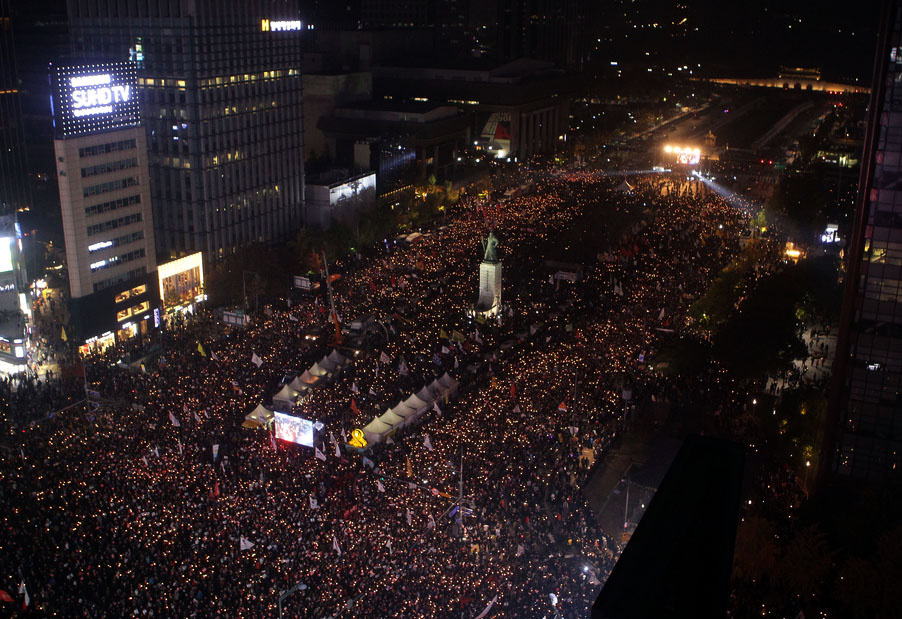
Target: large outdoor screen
x,y
93,98
294,429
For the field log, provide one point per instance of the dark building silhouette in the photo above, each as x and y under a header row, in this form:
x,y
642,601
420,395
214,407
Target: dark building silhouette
x,y
14,190
42,37
679,560
863,440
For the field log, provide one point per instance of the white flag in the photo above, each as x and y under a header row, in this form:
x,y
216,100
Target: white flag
x,y
313,503
487,608
145,460
337,450
573,430
180,446
426,442
379,486
215,451
456,363
661,314
445,350
384,358
23,590
368,462
409,516
516,408
174,421
344,437
389,441
403,370
156,451
520,550
196,417
354,388
319,454
256,360
292,318
213,356
388,543
431,523
335,545
437,409
245,543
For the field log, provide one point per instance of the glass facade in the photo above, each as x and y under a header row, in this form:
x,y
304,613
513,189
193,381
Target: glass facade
x,y
14,190
221,101
866,405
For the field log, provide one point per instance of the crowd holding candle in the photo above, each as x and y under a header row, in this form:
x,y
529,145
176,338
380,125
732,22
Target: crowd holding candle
x,y
160,504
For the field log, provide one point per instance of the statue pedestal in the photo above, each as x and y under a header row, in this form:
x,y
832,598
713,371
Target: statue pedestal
x,y
489,302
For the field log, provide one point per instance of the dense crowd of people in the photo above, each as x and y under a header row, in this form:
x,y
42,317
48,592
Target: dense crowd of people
x,y
159,503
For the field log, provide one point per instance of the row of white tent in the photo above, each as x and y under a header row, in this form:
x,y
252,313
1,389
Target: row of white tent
x,y
324,369
407,411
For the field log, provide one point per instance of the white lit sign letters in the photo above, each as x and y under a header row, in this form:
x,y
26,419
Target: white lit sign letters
x,y
95,94
93,98
268,25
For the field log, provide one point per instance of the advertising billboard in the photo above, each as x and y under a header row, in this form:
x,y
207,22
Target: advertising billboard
x,y
93,98
294,429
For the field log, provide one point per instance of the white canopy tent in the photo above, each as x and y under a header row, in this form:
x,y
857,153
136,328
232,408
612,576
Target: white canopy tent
x,y
286,397
402,410
375,431
416,404
426,395
449,384
391,419
317,370
338,358
298,385
260,417
308,378
330,366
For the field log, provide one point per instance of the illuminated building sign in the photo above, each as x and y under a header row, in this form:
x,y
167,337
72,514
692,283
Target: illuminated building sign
x,y
100,245
831,234
268,25
93,98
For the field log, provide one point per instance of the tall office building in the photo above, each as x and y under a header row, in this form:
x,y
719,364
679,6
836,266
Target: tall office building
x,y
14,192
551,30
221,98
14,197
101,160
864,433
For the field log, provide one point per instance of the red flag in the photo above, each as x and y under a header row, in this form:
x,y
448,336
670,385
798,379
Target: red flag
x,y
354,406
373,286
513,390
562,407
5,596
215,489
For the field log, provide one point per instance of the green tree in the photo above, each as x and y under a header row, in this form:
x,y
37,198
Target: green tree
x,y
806,563
756,551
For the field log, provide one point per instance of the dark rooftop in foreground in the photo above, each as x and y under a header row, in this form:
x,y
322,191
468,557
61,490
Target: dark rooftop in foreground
x,y
678,561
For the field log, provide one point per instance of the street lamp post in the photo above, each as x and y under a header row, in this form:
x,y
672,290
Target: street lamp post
x,y
282,596
244,285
